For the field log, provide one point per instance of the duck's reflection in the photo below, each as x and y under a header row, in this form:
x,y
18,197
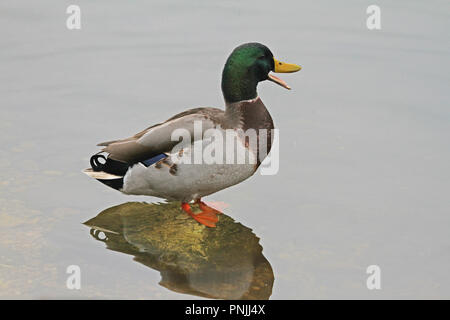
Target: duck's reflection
x,y
225,262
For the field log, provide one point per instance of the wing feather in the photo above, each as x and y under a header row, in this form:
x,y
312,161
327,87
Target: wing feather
x,y
157,139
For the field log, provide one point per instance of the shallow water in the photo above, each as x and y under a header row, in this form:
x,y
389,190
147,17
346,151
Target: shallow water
x,y
364,137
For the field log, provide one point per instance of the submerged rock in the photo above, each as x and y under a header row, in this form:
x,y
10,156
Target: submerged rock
x,y
225,262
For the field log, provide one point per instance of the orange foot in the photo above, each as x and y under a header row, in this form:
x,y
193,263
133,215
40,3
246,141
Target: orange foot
x,y
204,207
208,215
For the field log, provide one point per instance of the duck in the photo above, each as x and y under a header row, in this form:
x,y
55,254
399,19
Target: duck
x,y
157,162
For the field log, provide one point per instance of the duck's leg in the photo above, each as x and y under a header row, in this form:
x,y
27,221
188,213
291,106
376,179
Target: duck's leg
x,y
207,217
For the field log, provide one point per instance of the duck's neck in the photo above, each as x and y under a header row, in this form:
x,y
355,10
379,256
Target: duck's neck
x,y
237,83
251,115
247,114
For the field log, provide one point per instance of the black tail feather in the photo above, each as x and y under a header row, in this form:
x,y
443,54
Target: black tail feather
x,y
109,165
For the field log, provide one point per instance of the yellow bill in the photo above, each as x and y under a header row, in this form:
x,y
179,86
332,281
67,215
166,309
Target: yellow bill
x,y
282,67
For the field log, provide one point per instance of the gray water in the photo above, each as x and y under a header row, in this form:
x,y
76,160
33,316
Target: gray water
x,y
364,173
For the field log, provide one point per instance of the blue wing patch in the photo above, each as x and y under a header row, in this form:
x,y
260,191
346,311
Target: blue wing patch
x,y
153,160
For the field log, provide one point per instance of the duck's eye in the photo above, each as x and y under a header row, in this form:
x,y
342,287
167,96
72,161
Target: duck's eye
x,y
261,57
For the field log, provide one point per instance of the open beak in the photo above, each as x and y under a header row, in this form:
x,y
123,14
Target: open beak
x,y
281,67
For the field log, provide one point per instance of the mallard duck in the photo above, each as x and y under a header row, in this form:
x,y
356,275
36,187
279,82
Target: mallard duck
x,y
146,163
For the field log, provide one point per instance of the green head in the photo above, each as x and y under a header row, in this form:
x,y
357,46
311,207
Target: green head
x,y
247,65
